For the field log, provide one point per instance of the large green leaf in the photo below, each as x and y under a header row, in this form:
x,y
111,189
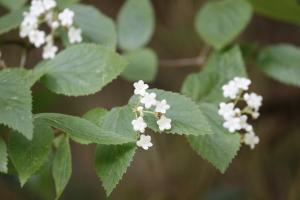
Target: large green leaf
x,y
206,86
3,156
95,26
66,3
281,62
62,166
287,10
28,156
82,69
95,116
218,148
111,163
142,65
82,130
187,118
15,102
219,22
11,20
135,24
12,4
118,120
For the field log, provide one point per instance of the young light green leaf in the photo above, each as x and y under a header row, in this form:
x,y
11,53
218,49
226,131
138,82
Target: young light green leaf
x,y
62,166
281,62
111,163
142,65
187,118
135,24
95,26
82,130
206,86
82,69
11,20
66,3
15,102
95,116
218,148
287,10
217,21
12,4
28,156
3,156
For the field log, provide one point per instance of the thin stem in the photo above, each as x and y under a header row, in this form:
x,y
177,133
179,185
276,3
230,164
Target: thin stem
x,y
185,62
23,58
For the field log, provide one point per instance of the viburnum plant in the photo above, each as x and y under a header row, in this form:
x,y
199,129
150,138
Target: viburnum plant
x,y
212,111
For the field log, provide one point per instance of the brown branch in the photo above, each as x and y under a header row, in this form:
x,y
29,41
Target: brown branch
x,y
185,62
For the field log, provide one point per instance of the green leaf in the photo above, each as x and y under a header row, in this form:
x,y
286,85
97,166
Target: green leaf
x,y
187,118
28,156
118,120
66,3
142,65
281,62
96,27
95,116
111,163
135,24
11,20
287,10
3,156
82,69
219,22
12,4
62,166
15,102
206,86
218,148
82,130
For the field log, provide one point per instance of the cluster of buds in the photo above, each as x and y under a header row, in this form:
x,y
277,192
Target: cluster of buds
x,y
236,118
45,12
148,104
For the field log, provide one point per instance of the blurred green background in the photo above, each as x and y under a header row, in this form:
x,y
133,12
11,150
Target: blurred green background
x,y
171,169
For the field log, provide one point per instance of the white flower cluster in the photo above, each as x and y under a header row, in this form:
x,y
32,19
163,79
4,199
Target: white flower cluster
x,y
44,11
148,104
236,119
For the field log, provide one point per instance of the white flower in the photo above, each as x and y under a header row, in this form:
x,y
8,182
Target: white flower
x,y
233,124
149,100
230,90
164,123
66,17
242,83
49,4
139,124
162,106
37,38
74,35
140,88
49,51
255,115
54,24
140,109
243,122
253,100
226,110
37,8
251,139
144,142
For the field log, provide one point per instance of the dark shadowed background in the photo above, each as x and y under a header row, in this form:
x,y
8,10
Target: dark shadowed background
x,y
171,169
